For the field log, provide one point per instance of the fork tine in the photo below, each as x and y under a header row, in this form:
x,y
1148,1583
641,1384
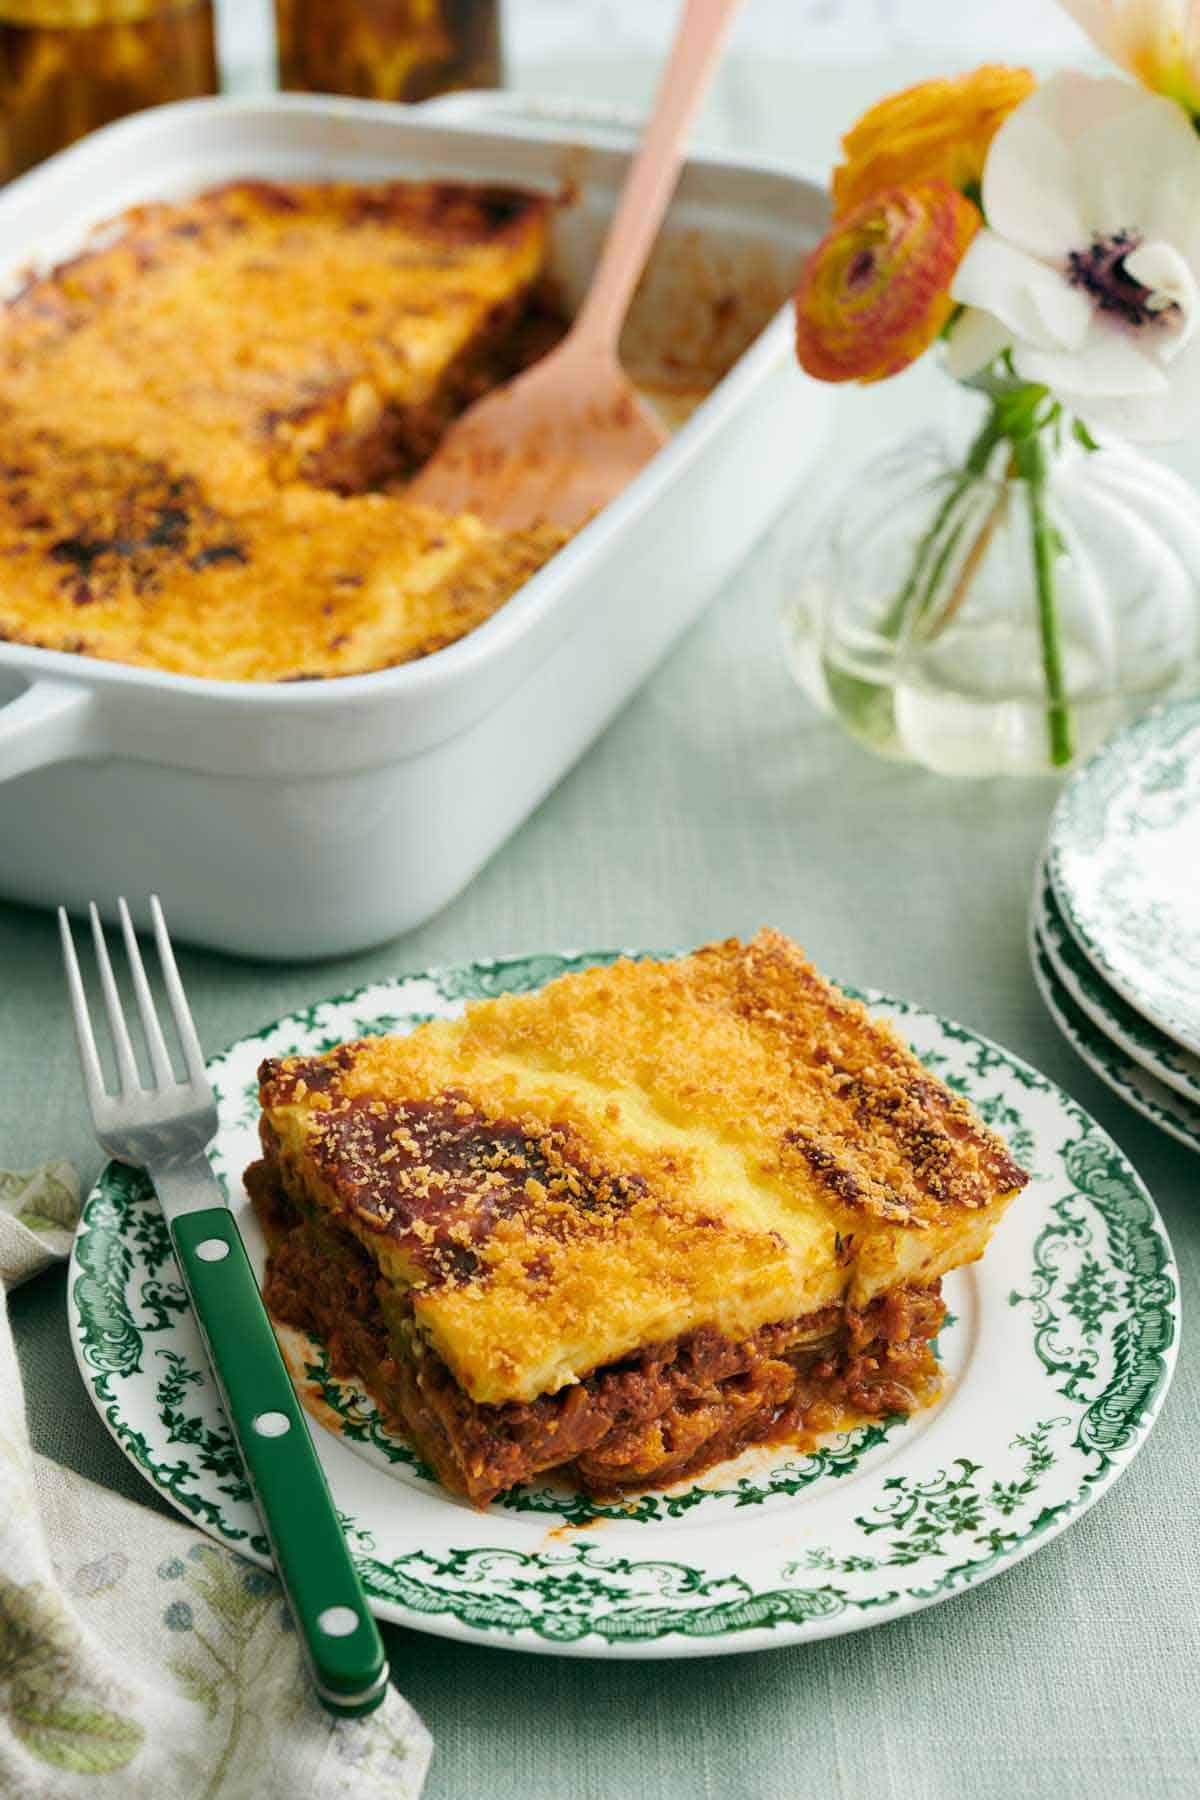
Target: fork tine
x,y
128,1079
89,1056
193,1056
160,1060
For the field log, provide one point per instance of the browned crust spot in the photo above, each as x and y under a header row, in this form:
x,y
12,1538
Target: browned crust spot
x,y
437,1176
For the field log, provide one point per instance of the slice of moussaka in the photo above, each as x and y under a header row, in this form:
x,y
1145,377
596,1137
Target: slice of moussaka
x,y
623,1226
207,419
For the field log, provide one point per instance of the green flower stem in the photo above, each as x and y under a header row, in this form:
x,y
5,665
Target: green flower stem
x,y
973,558
1018,415
1030,457
978,457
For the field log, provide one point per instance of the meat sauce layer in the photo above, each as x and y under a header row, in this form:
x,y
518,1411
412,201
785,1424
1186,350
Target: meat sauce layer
x,y
670,1411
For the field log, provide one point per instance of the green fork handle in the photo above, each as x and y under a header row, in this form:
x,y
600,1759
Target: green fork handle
x,y
343,1642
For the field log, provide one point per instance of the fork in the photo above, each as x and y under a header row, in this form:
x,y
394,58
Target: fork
x,y
166,1129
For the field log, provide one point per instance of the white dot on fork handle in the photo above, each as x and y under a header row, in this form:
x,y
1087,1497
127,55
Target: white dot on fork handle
x,y
212,1250
272,1424
338,1621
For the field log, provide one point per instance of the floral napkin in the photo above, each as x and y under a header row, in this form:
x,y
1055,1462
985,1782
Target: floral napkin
x,y
137,1658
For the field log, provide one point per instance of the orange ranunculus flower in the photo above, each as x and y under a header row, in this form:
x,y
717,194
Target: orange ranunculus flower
x,y
875,292
936,131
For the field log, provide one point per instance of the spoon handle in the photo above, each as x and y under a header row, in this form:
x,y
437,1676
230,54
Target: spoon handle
x,y
651,180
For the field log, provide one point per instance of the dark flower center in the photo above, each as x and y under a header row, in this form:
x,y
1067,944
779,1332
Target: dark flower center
x,y
861,270
1101,271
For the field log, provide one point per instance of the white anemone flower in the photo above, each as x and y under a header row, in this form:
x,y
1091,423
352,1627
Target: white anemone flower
x,y
1158,41
1088,269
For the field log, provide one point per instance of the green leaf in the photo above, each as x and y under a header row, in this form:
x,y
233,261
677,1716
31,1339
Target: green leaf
x,y
36,1634
35,1222
197,1684
44,1195
77,1735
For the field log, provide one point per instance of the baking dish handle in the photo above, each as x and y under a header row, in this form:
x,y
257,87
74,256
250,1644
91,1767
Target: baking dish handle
x,y
49,723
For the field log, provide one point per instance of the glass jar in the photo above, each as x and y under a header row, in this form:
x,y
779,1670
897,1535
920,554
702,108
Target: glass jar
x,y
67,66
946,614
388,49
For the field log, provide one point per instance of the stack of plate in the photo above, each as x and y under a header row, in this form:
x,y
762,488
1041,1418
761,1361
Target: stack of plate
x,y
1115,920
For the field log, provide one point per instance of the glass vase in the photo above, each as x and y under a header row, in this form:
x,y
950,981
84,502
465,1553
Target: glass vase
x,y
956,613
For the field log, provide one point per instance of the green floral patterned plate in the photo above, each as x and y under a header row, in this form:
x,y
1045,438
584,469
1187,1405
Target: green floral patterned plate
x,y
1057,1355
1124,862
1166,1060
1135,1084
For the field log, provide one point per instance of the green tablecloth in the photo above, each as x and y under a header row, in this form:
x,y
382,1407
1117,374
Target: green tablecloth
x,y
717,802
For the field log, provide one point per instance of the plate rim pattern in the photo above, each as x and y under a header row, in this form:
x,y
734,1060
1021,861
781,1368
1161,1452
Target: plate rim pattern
x,y
1105,1059
1135,1036
1105,770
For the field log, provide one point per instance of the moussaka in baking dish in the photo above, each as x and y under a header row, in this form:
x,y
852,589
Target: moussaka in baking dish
x,y
208,417
623,1226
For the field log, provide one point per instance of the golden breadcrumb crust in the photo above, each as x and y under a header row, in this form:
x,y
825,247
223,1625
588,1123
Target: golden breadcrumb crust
x,y
230,333
634,1152
206,422
104,554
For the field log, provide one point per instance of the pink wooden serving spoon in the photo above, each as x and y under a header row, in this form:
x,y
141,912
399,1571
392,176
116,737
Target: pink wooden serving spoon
x,y
566,436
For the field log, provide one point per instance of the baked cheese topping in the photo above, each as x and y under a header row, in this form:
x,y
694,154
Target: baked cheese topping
x,y
237,332
207,423
108,555
558,1179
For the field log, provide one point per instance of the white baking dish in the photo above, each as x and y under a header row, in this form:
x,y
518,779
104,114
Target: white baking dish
x,y
308,819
